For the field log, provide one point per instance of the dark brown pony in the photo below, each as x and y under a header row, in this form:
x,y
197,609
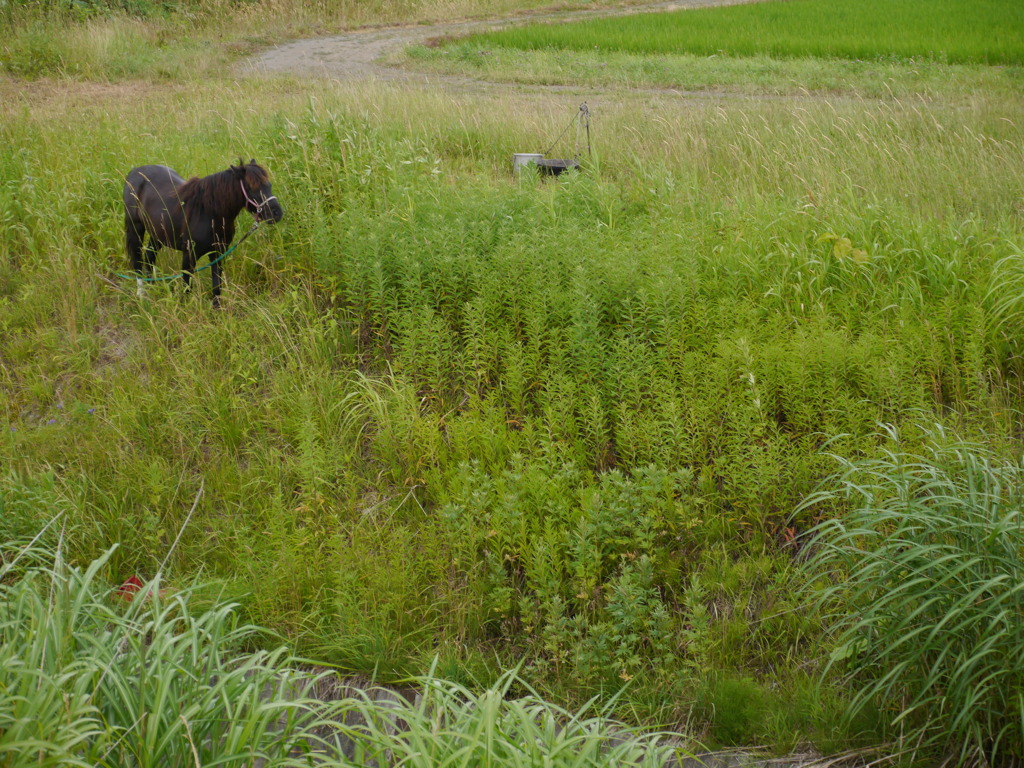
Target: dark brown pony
x,y
196,217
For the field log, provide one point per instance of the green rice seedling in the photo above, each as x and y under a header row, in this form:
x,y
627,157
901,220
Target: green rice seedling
x,y
451,725
46,717
986,32
927,595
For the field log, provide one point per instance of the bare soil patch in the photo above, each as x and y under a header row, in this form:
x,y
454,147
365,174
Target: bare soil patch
x,y
62,96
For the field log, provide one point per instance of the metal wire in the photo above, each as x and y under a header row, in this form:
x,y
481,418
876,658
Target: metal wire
x,y
583,115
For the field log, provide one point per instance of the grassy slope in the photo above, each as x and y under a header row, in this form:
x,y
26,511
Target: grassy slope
x,y
195,39
447,413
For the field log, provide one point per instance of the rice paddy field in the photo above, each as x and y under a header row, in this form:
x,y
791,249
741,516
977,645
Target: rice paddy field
x,y
720,434
947,31
878,49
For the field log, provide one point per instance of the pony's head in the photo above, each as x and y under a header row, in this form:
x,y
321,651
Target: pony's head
x,y
255,184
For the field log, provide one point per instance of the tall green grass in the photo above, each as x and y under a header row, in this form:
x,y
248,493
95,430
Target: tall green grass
x,y
948,31
928,593
96,676
452,725
724,75
92,679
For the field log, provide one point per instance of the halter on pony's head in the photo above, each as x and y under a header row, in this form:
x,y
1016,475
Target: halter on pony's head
x,y
255,185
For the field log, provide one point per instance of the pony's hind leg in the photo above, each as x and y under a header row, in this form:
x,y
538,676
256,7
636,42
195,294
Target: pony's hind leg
x,y
188,268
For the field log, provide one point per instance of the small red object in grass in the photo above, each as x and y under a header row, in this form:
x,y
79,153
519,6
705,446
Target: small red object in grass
x,y
128,589
131,587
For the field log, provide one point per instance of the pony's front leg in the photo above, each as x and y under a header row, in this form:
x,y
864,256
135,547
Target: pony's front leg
x,y
215,272
188,267
149,266
149,259
133,241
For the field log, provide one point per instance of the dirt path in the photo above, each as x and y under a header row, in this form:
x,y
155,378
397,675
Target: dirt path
x,y
356,55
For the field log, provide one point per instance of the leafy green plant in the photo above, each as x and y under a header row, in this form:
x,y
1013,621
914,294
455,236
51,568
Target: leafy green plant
x,y
928,593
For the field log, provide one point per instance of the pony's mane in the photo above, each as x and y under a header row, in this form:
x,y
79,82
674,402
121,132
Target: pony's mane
x,y
255,176
218,191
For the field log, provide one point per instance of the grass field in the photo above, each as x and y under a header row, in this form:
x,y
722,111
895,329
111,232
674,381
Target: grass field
x,y
452,416
747,75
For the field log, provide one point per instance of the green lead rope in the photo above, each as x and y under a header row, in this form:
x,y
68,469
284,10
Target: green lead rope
x,y
166,278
